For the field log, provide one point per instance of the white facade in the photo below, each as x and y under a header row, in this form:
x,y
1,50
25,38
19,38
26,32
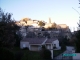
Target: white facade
x,y
56,42
35,25
37,47
24,44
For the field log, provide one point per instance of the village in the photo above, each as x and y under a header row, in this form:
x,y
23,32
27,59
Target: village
x,y
39,36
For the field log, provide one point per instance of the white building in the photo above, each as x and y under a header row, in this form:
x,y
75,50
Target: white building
x,y
34,44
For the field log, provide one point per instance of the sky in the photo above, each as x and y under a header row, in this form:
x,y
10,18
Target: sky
x,y
60,11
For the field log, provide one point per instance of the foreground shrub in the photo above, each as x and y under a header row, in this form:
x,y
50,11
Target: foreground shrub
x,y
26,48
45,53
19,55
6,54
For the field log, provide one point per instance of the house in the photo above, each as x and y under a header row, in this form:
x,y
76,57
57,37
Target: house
x,y
54,42
34,44
63,25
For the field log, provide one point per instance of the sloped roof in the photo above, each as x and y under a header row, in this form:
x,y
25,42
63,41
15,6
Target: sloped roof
x,y
51,40
34,40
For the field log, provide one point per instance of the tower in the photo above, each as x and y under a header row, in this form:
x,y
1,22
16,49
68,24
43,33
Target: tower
x,y
49,20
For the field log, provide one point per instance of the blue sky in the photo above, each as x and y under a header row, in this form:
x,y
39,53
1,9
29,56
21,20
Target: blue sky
x,y
60,11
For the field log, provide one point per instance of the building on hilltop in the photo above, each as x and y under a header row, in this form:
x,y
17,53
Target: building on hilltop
x,y
63,25
49,24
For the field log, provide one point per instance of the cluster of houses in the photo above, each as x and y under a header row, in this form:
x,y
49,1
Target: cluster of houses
x,y
40,37
34,44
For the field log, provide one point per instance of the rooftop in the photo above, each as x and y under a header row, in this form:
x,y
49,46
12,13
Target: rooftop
x,y
34,40
51,40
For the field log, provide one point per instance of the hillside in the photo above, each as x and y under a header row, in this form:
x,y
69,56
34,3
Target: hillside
x,y
29,21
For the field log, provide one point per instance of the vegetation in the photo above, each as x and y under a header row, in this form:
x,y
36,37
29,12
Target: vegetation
x,y
8,30
46,34
77,42
17,54
41,23
45,53
57,52
25,19
31,35
6,54
54,25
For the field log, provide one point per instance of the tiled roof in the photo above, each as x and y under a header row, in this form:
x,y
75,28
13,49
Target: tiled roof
x,y
51,40
34,40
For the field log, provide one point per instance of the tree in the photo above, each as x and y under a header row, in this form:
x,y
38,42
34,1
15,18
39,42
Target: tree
x,y
18,37
5,17
30,35
45,53
6,54
78,23
43,29
41,23
46,34
54,25
77,42
25,19
8,30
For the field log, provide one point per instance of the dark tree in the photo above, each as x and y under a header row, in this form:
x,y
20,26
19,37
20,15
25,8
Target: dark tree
x,y
8,30
18,37
77,42
41,23
30,35
45,53
6,54
46,34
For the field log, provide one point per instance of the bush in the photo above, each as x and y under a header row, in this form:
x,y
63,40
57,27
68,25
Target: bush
x,y
45,53
6,54
19,55
63,47
54,47
26,48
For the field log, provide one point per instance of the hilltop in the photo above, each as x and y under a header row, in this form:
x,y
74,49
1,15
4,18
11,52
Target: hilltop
x,y
29,22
